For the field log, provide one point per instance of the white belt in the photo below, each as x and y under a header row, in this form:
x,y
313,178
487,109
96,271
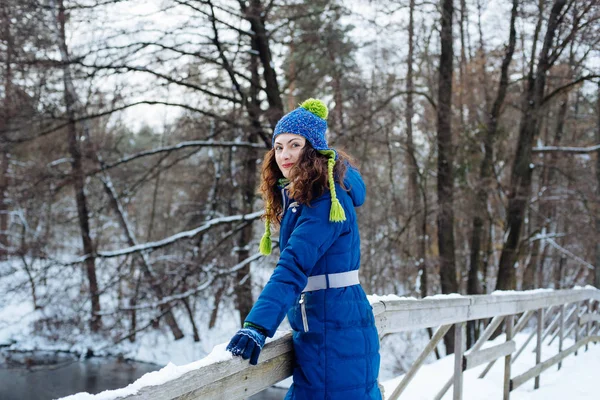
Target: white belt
x,y
339,280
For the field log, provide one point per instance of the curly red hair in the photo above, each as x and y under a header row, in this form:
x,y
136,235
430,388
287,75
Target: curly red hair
x,y
309,176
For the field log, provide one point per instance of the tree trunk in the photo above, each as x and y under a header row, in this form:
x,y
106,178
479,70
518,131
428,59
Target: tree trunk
x,y
243,281
5,125
78,173
338,110
215,311
597,269
291,98
520,184
445,176
190,313
411,158
487,168
256,15
546,207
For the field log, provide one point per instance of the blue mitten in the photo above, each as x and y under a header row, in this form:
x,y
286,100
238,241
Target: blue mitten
x,y
247,342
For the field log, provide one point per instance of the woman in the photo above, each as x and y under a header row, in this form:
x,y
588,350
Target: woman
x,y
311,190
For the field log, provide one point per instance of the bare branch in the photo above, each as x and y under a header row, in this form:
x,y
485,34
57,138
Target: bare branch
x,y
575,150
182,145
151,246
568,86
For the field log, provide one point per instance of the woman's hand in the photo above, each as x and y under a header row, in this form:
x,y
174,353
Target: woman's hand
x,y
247,342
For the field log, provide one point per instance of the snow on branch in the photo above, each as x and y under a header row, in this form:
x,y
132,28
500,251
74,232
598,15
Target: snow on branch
x,y
555,149
569,254
199,288
150,246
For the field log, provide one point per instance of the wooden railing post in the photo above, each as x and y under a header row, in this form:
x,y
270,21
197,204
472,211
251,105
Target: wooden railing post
x,y
458,360
538,345
561,332
577,324
509,336
487,333
597,323
439,334
587,325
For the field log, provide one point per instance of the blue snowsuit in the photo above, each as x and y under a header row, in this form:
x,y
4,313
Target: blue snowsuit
x,y
337,346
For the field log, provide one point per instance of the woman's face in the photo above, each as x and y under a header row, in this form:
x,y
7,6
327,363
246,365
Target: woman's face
x,y
288,148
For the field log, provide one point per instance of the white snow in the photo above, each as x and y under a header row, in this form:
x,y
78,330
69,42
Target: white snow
x,y
168,373
577,380
374,298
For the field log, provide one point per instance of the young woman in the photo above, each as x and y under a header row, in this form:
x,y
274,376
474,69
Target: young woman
x,y
311,190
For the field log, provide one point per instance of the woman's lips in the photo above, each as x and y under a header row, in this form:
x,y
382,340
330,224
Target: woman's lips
x,y
287,165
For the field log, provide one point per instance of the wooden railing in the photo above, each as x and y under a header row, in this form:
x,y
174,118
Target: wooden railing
x,y
234,378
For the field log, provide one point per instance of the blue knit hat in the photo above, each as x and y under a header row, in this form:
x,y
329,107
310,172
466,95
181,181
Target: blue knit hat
x,y
309,121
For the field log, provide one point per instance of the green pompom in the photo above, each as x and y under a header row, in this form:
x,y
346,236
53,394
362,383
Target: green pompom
x,y
316,107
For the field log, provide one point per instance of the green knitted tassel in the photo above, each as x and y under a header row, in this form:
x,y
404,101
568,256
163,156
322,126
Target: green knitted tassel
x,y
336,214
265,241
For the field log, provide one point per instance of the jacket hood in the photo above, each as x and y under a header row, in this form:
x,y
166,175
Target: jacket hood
x,y
354,182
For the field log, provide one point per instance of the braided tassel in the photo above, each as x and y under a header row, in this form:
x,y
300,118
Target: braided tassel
x,y
265,241
336,214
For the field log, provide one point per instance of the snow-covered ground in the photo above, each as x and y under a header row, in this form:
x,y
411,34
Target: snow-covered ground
x,y
577,379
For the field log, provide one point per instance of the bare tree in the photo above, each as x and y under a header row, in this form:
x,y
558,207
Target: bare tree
x,y
520,183
78,172
486,168
597,269
445,177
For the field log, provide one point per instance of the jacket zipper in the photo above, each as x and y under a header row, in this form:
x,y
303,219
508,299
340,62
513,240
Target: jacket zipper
x,y
283,198
302,299
303,310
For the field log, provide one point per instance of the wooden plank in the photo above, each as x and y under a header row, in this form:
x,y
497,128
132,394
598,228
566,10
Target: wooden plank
x,y
550,328
407,315
576,326
523,320
523,346
541,367
587,326
474,359
439,334
520,325
585,318
566,334
507,363
228,380
568,331
489,330
458,357
561,331
538,346
546,315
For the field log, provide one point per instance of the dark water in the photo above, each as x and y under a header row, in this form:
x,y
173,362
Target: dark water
x,y
47,375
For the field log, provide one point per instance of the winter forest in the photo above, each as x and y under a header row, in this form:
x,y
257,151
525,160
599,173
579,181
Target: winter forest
x,y
132,134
